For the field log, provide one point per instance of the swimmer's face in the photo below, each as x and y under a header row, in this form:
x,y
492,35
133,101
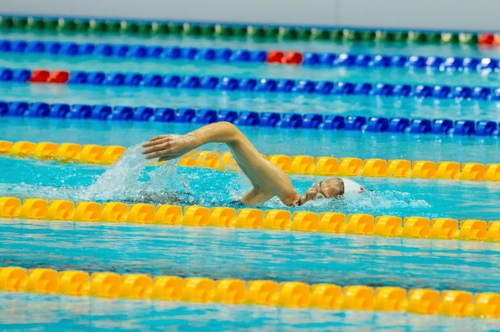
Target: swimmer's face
x,y
325,189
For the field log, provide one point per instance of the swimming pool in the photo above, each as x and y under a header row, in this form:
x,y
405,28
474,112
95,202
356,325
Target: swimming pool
x,y
221,253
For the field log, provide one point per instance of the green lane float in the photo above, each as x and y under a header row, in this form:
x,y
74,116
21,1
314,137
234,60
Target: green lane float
x,y
284,33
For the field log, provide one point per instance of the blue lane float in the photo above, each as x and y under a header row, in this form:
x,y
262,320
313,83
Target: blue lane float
x,y
329,122
310,59
269,85
133,51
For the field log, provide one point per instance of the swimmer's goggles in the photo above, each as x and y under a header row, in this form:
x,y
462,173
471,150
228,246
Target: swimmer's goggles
x,y
316,187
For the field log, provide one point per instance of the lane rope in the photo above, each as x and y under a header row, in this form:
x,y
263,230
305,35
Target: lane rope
x,y
395,125
259,32
250,218
249,84
306,165
294,294
235,56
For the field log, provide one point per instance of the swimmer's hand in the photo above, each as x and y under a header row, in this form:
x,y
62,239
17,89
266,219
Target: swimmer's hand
x,y
166,147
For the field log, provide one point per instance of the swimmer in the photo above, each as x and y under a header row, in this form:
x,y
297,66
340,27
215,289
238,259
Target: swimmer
x,y
267,179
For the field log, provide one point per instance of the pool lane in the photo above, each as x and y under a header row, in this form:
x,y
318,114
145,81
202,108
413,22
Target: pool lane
x,y
260,102
32,311
248,254
267,140
263,44
262,70
128,181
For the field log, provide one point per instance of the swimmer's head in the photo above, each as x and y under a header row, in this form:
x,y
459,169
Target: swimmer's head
x,y
331,188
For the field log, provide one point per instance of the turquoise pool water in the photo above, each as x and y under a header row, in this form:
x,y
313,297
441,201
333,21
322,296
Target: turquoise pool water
x,y
31,312
250,254
325,143
129,182
246,254
260,102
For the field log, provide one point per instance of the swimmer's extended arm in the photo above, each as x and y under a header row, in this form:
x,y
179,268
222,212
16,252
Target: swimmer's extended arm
x,y
268,180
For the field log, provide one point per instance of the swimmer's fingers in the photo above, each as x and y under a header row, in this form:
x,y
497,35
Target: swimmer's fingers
x,y
155,140
163,149
158,137
156,145
151,146
171,146
151,141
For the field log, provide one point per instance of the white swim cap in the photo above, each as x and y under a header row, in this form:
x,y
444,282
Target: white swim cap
x,y
352,187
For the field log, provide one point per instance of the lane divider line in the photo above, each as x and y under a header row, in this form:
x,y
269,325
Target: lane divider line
x,y
227,55
249,84
224,30
330,166
306,165
398,125
293,294
249,218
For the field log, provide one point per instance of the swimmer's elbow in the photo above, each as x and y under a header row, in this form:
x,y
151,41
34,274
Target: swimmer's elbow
x,y
227,125
219,132
289,196
233,134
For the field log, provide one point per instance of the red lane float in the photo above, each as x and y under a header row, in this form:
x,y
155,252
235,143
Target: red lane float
x,y
59,76
44,76
288,58
292,58
274,57
487,39
39,76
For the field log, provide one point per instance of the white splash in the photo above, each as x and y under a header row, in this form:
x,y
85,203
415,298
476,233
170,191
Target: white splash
x,y
120,178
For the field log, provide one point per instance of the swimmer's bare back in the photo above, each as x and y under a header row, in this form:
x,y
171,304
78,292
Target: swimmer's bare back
x,y
267,179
